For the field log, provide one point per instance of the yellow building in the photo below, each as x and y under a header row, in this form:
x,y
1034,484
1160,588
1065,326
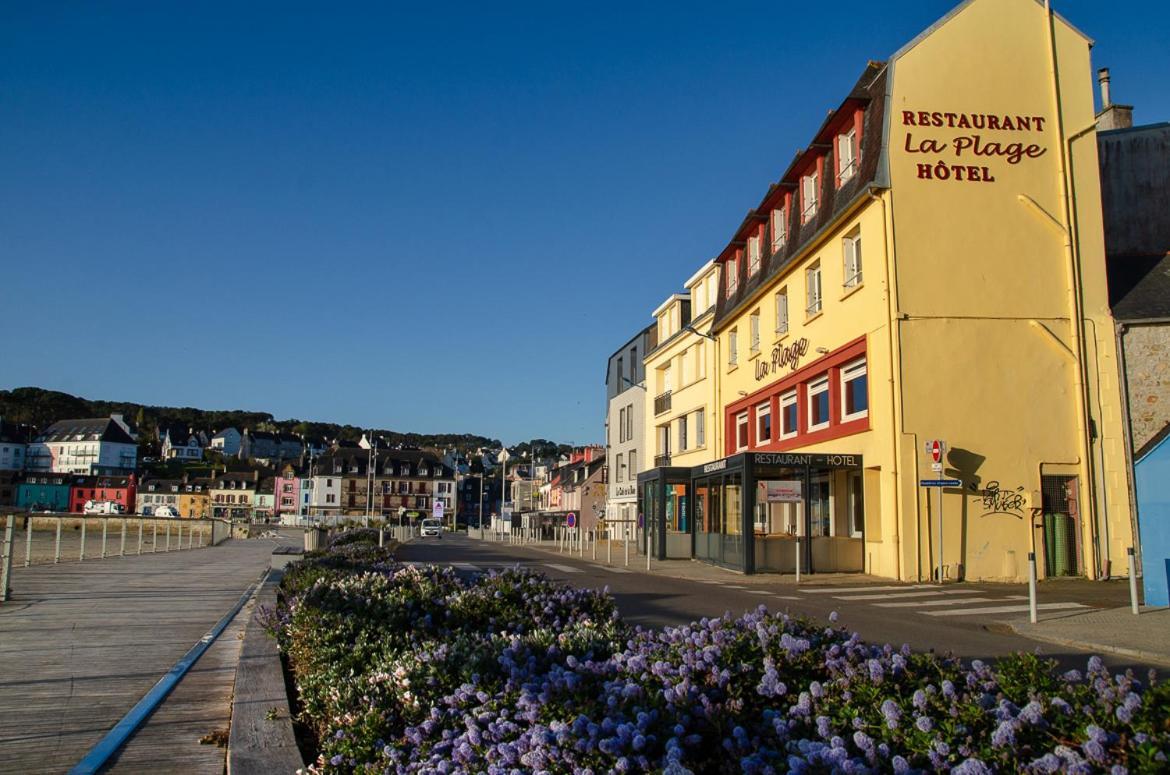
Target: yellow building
x,y
189,497
930,267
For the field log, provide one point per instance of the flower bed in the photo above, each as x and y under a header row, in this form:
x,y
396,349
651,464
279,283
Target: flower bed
x,y
416,670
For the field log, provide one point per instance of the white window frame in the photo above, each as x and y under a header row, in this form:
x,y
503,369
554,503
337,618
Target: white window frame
x,y
732,276
733,347
851,256
741,422
779,228
815,388
633,458
782,310
808,197
754,331
762,411
846,155
621,425
753,251
786,400
813,288
629,422
700,428
850,372
621,467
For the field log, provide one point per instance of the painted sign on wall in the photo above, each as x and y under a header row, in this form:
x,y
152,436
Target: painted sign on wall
x,y
783,357
978,140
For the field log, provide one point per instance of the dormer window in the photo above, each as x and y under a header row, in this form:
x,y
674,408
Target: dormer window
x,y
846,155
779,228
732,275
808,197
753,251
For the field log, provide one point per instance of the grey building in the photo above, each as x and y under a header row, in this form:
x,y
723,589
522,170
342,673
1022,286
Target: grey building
x,y
625,389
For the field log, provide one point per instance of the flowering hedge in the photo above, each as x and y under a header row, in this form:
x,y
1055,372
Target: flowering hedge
x,y
418,670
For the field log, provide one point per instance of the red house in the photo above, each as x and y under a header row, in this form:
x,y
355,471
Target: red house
x,y
119,489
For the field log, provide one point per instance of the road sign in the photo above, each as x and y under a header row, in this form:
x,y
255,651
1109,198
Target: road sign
x,y
940,482
571,520
936,467
936,449
437,509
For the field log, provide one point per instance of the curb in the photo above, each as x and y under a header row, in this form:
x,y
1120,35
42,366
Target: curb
x,y
1161,660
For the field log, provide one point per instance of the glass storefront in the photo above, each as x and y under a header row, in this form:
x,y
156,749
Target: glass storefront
x,y
761,512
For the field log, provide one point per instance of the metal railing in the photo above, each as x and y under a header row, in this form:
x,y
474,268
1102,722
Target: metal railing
x,y
661,460
49,539
662,403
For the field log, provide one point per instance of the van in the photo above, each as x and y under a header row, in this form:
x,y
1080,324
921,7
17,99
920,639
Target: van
x,y
431,527
166,511
103,507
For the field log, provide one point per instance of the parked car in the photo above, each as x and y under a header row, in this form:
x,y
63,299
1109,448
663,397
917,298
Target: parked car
x,y
103,507
431,528
166,511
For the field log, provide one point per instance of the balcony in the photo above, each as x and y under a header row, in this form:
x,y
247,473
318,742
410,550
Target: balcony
x,y
661,403
661,461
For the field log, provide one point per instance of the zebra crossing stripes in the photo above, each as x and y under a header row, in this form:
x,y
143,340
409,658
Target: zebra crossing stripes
x,y
945,601
562,568
844,590
1005,609
933,593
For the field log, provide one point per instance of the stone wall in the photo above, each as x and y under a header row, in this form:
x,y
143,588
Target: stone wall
x,y
1147,364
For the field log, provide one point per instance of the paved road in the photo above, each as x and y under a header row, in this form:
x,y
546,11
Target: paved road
x,y
963,619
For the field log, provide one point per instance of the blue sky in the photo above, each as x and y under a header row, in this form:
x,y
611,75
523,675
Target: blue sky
x,y
427,220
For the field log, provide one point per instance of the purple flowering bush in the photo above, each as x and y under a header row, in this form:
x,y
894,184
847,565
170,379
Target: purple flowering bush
x,y
419,670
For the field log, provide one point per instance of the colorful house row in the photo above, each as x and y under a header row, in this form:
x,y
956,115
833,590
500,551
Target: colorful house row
x,y
70,493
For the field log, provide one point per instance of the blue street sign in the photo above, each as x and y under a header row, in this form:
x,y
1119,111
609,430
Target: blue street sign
x,y
940,482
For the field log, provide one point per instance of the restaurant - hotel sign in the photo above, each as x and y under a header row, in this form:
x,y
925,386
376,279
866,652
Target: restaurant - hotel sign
x,y
782,357
801,461
961,157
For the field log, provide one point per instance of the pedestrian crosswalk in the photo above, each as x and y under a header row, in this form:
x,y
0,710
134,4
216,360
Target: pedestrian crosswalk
x,y
936,600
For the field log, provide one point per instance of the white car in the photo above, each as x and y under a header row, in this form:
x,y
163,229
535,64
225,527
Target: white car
x,y
103,507
166,511
431,528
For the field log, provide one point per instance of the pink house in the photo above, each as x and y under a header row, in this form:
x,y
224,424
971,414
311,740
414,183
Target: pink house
x,y
287,493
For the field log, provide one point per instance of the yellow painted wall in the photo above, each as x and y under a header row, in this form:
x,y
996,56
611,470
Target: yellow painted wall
x,y
696,393
989,352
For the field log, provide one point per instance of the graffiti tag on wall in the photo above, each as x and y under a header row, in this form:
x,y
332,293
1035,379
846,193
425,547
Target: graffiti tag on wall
x,y
999,501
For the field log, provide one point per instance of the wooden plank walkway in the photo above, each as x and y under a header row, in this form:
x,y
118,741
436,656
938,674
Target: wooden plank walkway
x,y
81,643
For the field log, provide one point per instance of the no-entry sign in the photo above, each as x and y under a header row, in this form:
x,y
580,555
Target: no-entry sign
x,y
936,450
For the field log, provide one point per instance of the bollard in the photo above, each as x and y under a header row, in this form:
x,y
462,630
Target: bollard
x,y
84,524
593,542
608,549
105,530
6,570
122,548
28,541
1032,587
140,536
1133,595
798,559
180,536
381,538
626,546
647,550
57,549
168,536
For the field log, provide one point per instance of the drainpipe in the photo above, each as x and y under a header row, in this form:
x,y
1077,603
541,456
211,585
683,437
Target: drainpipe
x,y
1100,554
895,404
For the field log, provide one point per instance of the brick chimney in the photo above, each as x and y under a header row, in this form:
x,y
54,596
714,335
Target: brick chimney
x,y
1111,116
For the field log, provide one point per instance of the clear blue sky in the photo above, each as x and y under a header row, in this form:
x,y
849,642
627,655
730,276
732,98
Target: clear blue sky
x,y
427,220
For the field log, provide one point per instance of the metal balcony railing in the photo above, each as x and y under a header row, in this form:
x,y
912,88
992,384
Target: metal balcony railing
x,y
661,461
662,403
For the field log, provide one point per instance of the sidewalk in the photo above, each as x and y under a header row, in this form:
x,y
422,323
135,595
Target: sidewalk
x,y
1110,630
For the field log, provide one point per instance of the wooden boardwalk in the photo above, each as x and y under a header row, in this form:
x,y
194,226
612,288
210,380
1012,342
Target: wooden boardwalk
x,y
81,643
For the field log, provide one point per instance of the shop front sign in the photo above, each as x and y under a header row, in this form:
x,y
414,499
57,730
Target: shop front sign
x,y
797,460
783,357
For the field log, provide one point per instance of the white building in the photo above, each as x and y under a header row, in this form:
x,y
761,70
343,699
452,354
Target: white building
x,y
625,391
13,446
93,446
179,444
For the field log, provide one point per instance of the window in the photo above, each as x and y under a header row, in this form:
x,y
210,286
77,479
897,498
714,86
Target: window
x,y
732,276
700,431
818,404
733,347
846,155
812,286
808,197
698,302
755,331
789,415
633,463
621,425
621,468
629,422
854,391
753,250
712,288
856,504
763,424
782,310
741,431
779,228
682,433
664,439
851,248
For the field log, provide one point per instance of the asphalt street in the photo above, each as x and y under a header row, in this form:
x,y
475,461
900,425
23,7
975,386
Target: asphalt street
x,y
960,619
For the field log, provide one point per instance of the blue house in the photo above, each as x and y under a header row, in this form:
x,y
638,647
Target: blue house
x,y
1152,478
41,492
